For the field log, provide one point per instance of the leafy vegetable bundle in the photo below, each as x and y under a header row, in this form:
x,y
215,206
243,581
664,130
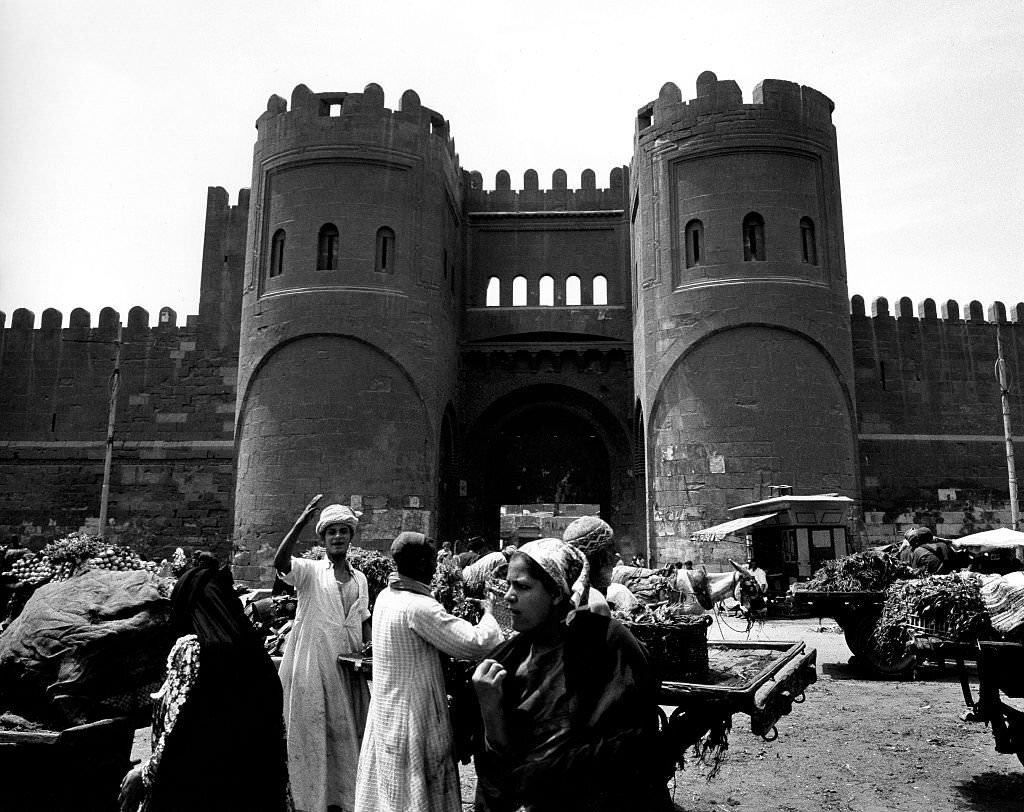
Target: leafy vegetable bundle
x,y
449,589
952,602
870,571
660,613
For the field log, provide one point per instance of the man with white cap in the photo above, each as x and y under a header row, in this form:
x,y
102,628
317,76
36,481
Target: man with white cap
x,y
324,707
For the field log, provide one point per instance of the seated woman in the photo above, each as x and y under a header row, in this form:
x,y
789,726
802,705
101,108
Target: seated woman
x,y
218,731
569,706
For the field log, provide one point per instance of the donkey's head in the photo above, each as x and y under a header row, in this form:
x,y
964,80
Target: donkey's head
x,y
752,598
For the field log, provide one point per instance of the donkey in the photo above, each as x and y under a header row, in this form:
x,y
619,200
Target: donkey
x,y
700,590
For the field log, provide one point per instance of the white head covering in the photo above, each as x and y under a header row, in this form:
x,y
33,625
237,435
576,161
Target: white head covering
x,y
336,514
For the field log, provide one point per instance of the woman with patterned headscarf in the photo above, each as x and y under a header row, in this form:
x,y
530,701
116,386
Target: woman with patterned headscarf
x,y
324,707
218,735
569,705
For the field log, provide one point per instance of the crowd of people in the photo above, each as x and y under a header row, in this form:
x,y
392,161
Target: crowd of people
x,y
565,713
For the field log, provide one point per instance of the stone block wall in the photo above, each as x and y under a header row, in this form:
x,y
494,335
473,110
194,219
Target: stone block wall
x,y
931,438
172,452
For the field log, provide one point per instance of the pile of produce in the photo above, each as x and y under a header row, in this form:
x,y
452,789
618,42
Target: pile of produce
x,y
951,603
72,555
661,613
647,584
376,566
447,586
870,571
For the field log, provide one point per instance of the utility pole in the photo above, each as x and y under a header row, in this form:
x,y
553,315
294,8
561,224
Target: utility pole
x,y
115,379
1004,391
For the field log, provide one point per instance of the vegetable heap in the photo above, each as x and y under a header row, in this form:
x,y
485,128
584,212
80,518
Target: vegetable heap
x,y
71,555
953,602
449,589
870,571
658,613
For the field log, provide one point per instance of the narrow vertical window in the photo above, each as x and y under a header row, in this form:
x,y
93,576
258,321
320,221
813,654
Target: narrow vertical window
x,y
277,253
327,248
519,291
694,243
493,292
444,264
572,290
600,290
385,250
808,247
547,291
753,237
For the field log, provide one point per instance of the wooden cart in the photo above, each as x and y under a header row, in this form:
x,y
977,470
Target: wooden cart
x,y
857,613
1001,677
79,768
785,669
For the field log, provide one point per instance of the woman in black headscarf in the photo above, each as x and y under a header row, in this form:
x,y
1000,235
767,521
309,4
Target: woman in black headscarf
x,y
218,733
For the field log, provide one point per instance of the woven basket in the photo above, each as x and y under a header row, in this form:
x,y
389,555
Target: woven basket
x,y
927,626
678,652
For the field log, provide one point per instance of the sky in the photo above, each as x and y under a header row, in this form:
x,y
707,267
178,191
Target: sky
x,y
115,117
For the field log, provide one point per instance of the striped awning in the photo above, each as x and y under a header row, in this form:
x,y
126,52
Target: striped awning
x,y
720,531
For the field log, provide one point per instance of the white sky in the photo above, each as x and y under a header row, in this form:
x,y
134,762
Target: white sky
x,y
115,117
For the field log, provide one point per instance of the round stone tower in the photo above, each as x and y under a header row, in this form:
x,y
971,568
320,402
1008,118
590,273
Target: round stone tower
x,y
742,348
347,358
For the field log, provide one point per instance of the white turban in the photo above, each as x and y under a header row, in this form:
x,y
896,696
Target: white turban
x,y
336,514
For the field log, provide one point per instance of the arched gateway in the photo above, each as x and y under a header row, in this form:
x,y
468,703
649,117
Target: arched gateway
x,y
550,445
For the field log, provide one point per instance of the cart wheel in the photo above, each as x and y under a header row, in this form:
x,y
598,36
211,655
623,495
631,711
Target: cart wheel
x,y
858,631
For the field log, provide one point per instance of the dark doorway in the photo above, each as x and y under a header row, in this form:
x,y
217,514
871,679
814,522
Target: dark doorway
x,y
546,455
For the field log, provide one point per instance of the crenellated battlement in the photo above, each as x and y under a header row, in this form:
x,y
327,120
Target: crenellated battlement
x,y
559,197
774,100
52,320
950,310
342,116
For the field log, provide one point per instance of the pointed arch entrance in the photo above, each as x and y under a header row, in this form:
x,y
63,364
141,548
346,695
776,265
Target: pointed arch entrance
x,y
550,445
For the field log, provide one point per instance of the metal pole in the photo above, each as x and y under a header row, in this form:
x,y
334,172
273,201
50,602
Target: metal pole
x,y
1004,391
115,380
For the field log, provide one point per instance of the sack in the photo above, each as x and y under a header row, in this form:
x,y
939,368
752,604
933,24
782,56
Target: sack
x,y
99,635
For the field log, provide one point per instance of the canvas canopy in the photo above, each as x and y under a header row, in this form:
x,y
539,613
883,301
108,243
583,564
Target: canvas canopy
x,y
720,531
1000,537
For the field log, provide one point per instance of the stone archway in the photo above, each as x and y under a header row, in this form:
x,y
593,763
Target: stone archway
x,y
543,445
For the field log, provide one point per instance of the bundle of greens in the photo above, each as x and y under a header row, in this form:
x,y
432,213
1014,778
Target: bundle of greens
x,y
447,586
870,571
952,604
376,566
660,613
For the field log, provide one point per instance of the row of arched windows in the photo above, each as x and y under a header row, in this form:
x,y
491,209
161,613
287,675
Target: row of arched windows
x,y
546,291
753,240
327,243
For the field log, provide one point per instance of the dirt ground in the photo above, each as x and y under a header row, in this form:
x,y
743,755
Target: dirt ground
x,y
856,743
859,743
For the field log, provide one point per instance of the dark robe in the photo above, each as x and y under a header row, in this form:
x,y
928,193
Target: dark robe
x,y
583,726
226,751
